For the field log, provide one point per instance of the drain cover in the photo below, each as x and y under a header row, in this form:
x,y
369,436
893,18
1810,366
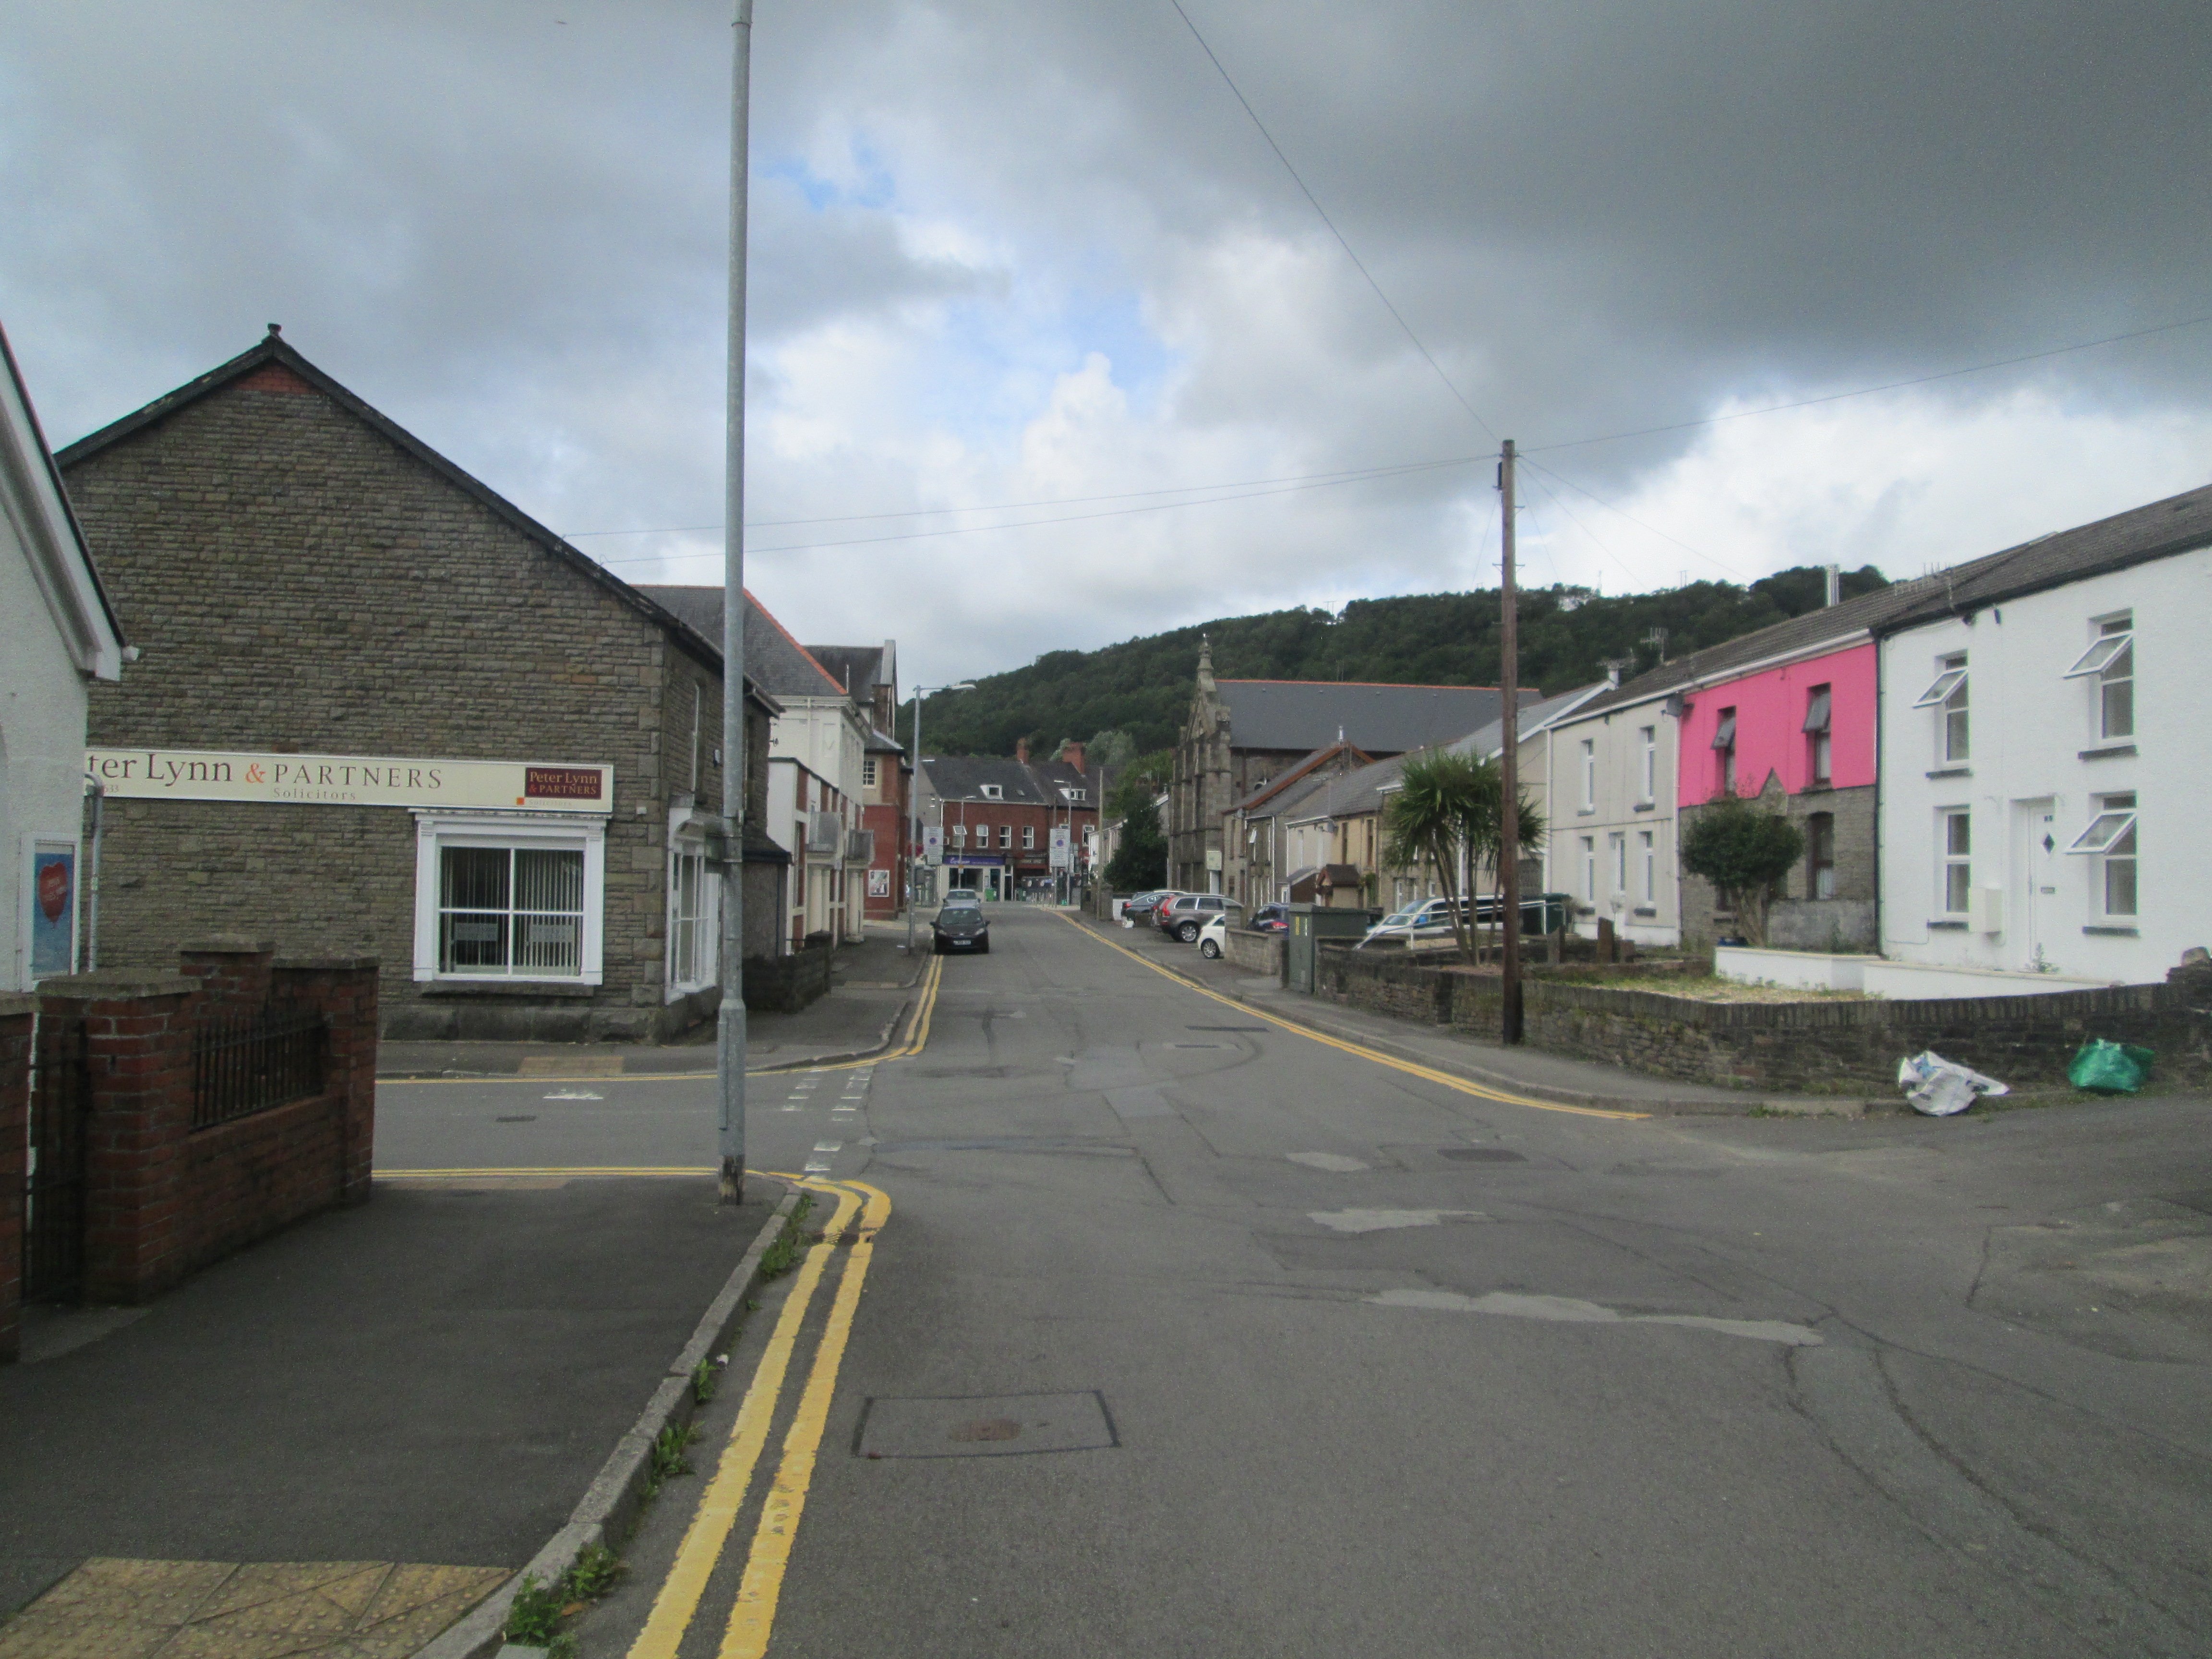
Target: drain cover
x,y
518,1117
1479,1155
985,1425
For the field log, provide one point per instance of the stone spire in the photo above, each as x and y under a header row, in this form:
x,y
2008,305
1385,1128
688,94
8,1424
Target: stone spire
x,y
1205,686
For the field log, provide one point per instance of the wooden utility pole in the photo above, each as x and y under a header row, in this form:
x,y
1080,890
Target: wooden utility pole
x,y
1508,764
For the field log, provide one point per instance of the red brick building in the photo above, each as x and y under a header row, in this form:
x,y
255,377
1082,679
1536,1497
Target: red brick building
x,y
998,817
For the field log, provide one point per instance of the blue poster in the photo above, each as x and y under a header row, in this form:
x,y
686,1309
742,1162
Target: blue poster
x,y
54,912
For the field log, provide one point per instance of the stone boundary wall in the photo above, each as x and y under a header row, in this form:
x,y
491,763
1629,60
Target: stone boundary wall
x,y
1255,953
784,984
161,1199
1797,1048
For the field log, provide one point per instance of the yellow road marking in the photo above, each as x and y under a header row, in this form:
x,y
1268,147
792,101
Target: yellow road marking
x,y
676,1603
932,977
545,1169
1426,1072
753,1619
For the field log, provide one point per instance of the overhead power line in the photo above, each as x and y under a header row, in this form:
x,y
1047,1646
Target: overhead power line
x,y
1230,81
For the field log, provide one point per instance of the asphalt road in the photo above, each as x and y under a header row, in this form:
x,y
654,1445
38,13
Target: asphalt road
x,y
1300,1354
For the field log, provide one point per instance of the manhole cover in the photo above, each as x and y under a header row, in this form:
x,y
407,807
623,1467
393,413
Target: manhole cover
x,y
518,1117
985,1425
1479,1155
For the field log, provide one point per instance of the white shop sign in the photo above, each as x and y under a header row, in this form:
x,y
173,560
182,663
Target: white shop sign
x,y
351,780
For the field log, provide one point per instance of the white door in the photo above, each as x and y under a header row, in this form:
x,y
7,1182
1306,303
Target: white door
x,y
2034,891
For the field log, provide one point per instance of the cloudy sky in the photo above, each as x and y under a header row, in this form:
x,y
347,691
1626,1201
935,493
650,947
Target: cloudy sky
x,y
1030,272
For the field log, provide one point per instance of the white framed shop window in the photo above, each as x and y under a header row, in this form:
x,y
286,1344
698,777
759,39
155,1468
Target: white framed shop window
x,y
507,897
693,914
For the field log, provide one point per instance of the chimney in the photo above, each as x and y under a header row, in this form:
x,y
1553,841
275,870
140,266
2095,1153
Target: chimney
x,y
1835,574
1073,754
1022,750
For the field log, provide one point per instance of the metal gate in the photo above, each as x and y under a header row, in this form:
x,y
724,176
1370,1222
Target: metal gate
x,y
61,1108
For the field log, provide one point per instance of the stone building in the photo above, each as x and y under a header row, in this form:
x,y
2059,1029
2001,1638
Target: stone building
x,y
1243,734
382,711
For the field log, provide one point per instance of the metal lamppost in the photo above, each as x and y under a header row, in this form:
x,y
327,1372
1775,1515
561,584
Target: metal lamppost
x,y
914,804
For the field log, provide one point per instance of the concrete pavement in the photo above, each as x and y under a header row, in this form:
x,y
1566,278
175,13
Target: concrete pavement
x,y
1191,1335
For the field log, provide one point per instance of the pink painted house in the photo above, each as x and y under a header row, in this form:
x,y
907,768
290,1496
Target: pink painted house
x,y
1801,732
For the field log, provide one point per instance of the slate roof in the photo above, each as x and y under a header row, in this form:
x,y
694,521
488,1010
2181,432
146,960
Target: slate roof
x,y
1304,715
1293,773
774,659
1034,783
859,666
1535,717
1354,794
272,349
1833,626
2178,524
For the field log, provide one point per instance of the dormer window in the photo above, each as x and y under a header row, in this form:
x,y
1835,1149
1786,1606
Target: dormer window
x,y
1076,794
993,792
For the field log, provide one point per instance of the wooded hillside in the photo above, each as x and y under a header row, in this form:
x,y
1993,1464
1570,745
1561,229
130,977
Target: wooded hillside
x,y
1144,686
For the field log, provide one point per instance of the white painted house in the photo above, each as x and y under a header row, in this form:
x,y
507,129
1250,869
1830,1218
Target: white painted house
x,y
2046,763
58,634
1609,770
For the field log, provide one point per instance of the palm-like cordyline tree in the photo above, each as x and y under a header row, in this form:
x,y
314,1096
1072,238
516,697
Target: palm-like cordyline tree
x,y
1449,803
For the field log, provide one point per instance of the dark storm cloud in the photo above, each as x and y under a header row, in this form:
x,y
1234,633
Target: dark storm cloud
x,y
503,223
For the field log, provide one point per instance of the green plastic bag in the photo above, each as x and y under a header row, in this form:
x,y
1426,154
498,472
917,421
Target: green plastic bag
x,y
2110,1069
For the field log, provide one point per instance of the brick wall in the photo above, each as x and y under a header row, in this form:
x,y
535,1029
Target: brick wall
x,y
1798,1048
299,581
17,1014
163,1198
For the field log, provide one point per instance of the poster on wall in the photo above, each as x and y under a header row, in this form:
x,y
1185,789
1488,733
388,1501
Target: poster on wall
x,y
53,909
879,884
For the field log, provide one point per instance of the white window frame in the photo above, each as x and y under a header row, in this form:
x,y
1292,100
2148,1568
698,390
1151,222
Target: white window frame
x,y
1648,844
993,792
705,922
697,698
1620,840
1589,774
1649,776
1948,859
1005,837
435,831
868,772
1820,726
1029,838
2111,840
1590,868
2111,661
1949,694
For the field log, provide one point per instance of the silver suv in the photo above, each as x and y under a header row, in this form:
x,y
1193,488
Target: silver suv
x,y
1186,912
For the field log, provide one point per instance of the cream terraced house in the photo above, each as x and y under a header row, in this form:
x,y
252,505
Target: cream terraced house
x,y
1610,792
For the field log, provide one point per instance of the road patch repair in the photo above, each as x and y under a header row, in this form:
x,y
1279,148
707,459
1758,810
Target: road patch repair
x,y
1572,1310
985,1425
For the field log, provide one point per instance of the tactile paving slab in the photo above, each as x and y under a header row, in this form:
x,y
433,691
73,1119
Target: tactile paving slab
x,y
119,1609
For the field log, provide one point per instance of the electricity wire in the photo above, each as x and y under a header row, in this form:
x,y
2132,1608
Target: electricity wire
x,y
1359,264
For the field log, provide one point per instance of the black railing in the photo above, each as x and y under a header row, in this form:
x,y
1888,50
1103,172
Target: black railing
x,y
61,1109
241,1067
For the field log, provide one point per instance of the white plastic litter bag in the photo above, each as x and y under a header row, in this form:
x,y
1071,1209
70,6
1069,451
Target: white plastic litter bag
x,y
1937,1087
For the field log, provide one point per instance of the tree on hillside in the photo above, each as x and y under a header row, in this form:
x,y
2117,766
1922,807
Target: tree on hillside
x,y
1110,751
1451,804
1745,851
1141,862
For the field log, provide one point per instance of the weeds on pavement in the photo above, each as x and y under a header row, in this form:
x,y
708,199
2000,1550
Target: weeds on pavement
x,y
780,1257
539,1615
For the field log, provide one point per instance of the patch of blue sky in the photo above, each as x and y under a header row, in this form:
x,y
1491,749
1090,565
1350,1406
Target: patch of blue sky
x,y
996,363
871,184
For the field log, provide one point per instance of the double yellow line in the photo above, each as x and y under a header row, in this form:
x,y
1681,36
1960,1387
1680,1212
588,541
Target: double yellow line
x,y
752,1616
1426,1074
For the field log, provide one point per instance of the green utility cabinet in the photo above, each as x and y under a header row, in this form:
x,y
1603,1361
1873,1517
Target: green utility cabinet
x,y
1309,925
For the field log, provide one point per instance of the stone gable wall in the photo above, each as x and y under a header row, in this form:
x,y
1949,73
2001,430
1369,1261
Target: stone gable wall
x,y
298,581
